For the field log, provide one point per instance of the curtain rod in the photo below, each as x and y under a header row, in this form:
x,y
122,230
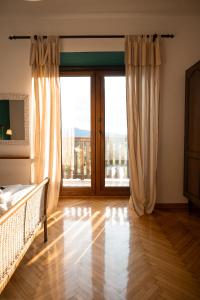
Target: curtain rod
x,y
26,37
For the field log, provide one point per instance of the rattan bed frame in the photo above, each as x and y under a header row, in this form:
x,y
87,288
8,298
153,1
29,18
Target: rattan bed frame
x,y
18,228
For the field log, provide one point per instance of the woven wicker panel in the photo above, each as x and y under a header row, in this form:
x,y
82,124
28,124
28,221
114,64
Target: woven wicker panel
x,y
12,233
14,265
34,212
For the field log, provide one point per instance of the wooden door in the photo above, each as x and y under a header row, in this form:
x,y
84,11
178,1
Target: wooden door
x,y
100,162
192,135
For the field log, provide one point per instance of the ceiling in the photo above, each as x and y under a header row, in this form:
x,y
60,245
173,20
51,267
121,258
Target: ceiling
x,y
46,8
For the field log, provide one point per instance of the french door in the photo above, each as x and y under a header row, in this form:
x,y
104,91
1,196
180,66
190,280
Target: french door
x,y
94,133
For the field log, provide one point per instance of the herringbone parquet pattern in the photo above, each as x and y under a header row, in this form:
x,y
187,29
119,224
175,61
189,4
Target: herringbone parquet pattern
x,y
98,249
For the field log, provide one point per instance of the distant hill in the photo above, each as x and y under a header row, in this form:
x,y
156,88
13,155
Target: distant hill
x,y
86,133
81,133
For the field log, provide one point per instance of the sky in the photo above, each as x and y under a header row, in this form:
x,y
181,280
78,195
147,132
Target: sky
x,y
75,103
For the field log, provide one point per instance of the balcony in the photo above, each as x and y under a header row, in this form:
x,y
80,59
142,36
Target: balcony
x,y
76,169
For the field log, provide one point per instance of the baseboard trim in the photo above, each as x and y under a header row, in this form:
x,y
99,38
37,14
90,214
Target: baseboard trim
x,y
171,206
92,197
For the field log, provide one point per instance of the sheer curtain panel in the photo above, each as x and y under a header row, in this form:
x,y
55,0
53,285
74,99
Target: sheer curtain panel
x,y
46,145
142,75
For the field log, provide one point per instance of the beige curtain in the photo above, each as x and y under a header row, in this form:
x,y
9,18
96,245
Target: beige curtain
x,y
142,75
46,152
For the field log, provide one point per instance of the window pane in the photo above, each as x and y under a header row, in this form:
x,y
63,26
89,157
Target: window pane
x,y
116,159
76,131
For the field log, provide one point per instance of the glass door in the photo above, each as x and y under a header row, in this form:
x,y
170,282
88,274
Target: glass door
x,y
94,133
116,159
77,155
113,135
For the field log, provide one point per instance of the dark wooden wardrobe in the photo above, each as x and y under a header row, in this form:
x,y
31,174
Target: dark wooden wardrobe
x,y
192,136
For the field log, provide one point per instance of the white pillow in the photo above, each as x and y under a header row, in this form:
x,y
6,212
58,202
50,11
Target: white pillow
x,y
12,188
7,193
14,198
12,194
3,209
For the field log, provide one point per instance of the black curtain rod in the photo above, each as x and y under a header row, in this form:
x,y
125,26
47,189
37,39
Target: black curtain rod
x,y
26,37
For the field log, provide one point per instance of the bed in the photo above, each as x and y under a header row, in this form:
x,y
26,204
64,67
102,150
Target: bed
x,y
19,225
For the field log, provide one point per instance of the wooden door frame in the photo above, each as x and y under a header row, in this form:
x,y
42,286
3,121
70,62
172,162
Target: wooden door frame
x,y
97,130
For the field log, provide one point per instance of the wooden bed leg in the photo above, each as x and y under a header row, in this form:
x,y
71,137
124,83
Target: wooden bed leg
x,y
45,230
45,213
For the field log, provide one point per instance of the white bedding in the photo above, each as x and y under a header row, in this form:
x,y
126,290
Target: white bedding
x,y
12,194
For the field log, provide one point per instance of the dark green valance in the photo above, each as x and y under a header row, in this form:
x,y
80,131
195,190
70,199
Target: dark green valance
x,y
91,59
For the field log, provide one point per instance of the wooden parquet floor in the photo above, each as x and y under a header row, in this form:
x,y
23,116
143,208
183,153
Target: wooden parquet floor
x,y
99,249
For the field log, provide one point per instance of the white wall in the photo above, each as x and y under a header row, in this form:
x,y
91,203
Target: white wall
x,y
14,171
178,54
